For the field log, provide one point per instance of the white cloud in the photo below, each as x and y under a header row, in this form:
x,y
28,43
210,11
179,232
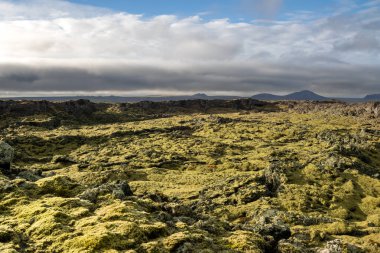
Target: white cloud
x,y
46,9
69,47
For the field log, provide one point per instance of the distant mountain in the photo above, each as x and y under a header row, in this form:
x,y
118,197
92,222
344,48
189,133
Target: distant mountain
x,y
305,95
301,95
373,97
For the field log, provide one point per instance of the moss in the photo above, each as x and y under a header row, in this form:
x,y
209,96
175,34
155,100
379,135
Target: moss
x,y
6,234
119,235
373,220
199,183
340,213
176,240
58,185
370,205
244,241
52,223
336,228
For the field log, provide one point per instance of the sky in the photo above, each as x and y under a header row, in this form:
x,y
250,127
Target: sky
x,y
167,47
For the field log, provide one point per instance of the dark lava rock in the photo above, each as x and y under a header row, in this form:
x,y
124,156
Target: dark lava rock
x,y
6,157
62,159
30,175
270,223
118,189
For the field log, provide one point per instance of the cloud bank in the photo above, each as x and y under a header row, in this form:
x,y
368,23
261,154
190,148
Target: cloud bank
x,y
65,47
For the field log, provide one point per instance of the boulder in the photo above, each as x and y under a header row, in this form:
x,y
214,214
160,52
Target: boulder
x,y
6,157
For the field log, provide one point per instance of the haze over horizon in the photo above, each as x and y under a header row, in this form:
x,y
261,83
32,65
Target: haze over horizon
x,y
146,47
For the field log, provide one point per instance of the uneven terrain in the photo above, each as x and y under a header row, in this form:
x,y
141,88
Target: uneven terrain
x,y
191,176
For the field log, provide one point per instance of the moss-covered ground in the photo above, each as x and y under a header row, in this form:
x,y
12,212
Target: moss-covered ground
x,y
234,182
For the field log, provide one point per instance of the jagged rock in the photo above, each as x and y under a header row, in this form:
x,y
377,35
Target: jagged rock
x,y
274,177
6,157
288,245
334,246
270,223
23,108
81,107
232,191
278,231
337,246
118,189
196,105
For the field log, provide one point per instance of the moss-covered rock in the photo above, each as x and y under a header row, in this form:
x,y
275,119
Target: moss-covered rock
x,y
58,185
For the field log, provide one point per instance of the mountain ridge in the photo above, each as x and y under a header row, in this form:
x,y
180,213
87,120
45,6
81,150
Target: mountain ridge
x,y
298,96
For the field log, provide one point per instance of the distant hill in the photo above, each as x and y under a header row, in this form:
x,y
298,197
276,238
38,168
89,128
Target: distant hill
x,y
301,95
305,95
373,97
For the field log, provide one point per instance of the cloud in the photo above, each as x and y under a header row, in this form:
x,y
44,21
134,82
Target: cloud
x,y
46,9
209,76
363,41
76,48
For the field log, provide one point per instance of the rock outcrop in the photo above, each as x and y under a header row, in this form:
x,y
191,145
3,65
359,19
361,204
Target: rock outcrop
x,y
369,109
6,157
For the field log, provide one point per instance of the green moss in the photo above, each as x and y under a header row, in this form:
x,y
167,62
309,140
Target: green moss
x,y
244,241
61,186
6,234
370,205
373,220
199,182
336,228
176,240
118,236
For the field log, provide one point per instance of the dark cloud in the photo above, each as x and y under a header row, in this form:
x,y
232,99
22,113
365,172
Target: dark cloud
x,y
360,42
243,77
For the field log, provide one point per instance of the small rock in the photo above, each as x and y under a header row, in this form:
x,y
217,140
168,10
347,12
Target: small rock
x,y
64,159
334,246
48,174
